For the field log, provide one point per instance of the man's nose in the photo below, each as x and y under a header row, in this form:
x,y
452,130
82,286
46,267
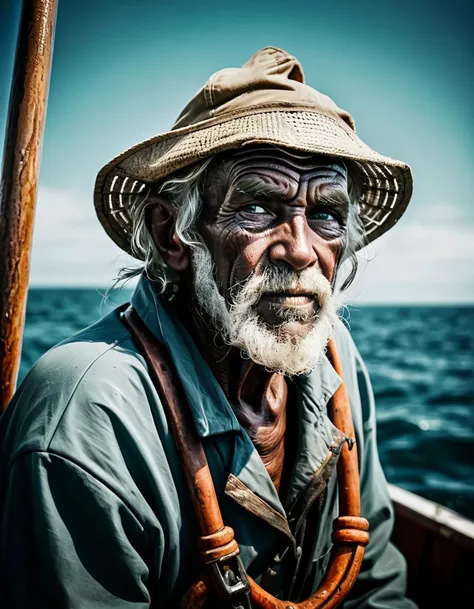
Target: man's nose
x,y
294,244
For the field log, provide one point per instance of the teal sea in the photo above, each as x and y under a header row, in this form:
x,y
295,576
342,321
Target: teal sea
x,y
421,362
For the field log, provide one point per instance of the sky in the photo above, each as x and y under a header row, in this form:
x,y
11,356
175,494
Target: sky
x,y
123,70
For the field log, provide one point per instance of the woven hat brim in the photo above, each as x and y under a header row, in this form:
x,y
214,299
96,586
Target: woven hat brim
x,y
386,183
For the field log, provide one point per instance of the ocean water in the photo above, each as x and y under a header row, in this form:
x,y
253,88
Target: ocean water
x,y
421,362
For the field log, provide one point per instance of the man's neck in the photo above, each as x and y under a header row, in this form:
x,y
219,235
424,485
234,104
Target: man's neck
x,y
258,397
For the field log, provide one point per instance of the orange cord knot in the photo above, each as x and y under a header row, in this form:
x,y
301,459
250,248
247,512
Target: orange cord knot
x,y
218,545
350,529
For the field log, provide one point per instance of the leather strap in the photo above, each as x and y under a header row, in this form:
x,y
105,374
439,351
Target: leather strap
x,y
218,548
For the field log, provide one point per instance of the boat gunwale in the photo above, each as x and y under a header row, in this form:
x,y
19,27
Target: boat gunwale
x,y
435,517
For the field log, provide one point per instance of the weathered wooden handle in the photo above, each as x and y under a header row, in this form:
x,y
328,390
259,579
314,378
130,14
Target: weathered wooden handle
x,y
19,180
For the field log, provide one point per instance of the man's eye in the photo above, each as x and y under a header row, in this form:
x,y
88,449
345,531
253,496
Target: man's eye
x,y
326,216
254,209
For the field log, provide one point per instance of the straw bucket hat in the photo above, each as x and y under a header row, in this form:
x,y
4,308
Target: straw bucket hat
x,y
263,102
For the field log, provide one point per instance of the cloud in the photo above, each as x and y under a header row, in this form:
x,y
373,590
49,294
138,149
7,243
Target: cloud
x,y
419,262
69,246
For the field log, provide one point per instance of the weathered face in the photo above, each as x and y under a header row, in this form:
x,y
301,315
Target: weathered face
x,y
274,227
270,207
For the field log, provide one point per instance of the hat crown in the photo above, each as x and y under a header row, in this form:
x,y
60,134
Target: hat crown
x,y
270,77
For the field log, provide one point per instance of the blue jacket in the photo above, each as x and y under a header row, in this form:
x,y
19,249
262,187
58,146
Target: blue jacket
x,y
95,512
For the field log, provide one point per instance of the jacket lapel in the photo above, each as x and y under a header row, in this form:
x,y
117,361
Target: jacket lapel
x,y
248,483
320,443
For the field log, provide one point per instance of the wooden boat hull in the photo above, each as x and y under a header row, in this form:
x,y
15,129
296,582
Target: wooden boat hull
x,y
438,545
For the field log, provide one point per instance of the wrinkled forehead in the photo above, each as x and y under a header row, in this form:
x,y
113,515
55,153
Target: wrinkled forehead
x,y
230,168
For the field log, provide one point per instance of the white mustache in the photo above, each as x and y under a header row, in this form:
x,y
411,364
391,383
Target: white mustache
x,y
274,279
240,326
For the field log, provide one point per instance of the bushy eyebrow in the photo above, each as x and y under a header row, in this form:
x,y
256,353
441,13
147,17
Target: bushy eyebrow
x,y
339,200
256,188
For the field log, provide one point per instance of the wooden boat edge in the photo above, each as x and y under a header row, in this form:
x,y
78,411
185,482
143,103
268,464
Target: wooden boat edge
x,y
433,516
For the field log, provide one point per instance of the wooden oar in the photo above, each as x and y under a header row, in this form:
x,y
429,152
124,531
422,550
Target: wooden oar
x,y
21,160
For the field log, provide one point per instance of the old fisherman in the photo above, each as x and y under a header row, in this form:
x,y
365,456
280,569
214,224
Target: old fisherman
x,y
247,217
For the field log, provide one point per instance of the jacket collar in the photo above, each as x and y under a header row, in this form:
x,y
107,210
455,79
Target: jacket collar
x,y
212,413
319,444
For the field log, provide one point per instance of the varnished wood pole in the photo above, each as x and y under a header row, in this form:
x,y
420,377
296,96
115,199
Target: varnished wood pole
x,y
19,182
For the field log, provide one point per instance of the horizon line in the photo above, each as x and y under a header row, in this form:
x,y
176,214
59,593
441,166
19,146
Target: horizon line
x,y
352,302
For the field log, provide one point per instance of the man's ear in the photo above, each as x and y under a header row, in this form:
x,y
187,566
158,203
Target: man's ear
x,y
161,223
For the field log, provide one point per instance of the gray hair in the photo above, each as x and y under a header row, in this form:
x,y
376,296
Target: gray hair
x,y
184,191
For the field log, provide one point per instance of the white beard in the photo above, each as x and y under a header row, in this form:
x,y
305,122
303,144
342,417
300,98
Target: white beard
x,y
273,347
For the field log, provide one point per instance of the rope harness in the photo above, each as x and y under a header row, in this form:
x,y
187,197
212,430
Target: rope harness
x,y
224,572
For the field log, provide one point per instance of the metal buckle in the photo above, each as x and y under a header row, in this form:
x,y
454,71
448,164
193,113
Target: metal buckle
x,y
231,582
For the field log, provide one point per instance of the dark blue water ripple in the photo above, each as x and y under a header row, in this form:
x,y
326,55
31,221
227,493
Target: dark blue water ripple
x,y
421,361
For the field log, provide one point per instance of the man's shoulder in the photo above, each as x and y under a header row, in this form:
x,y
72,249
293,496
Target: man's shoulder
x,y
345,343
94,352
75,386
356,375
